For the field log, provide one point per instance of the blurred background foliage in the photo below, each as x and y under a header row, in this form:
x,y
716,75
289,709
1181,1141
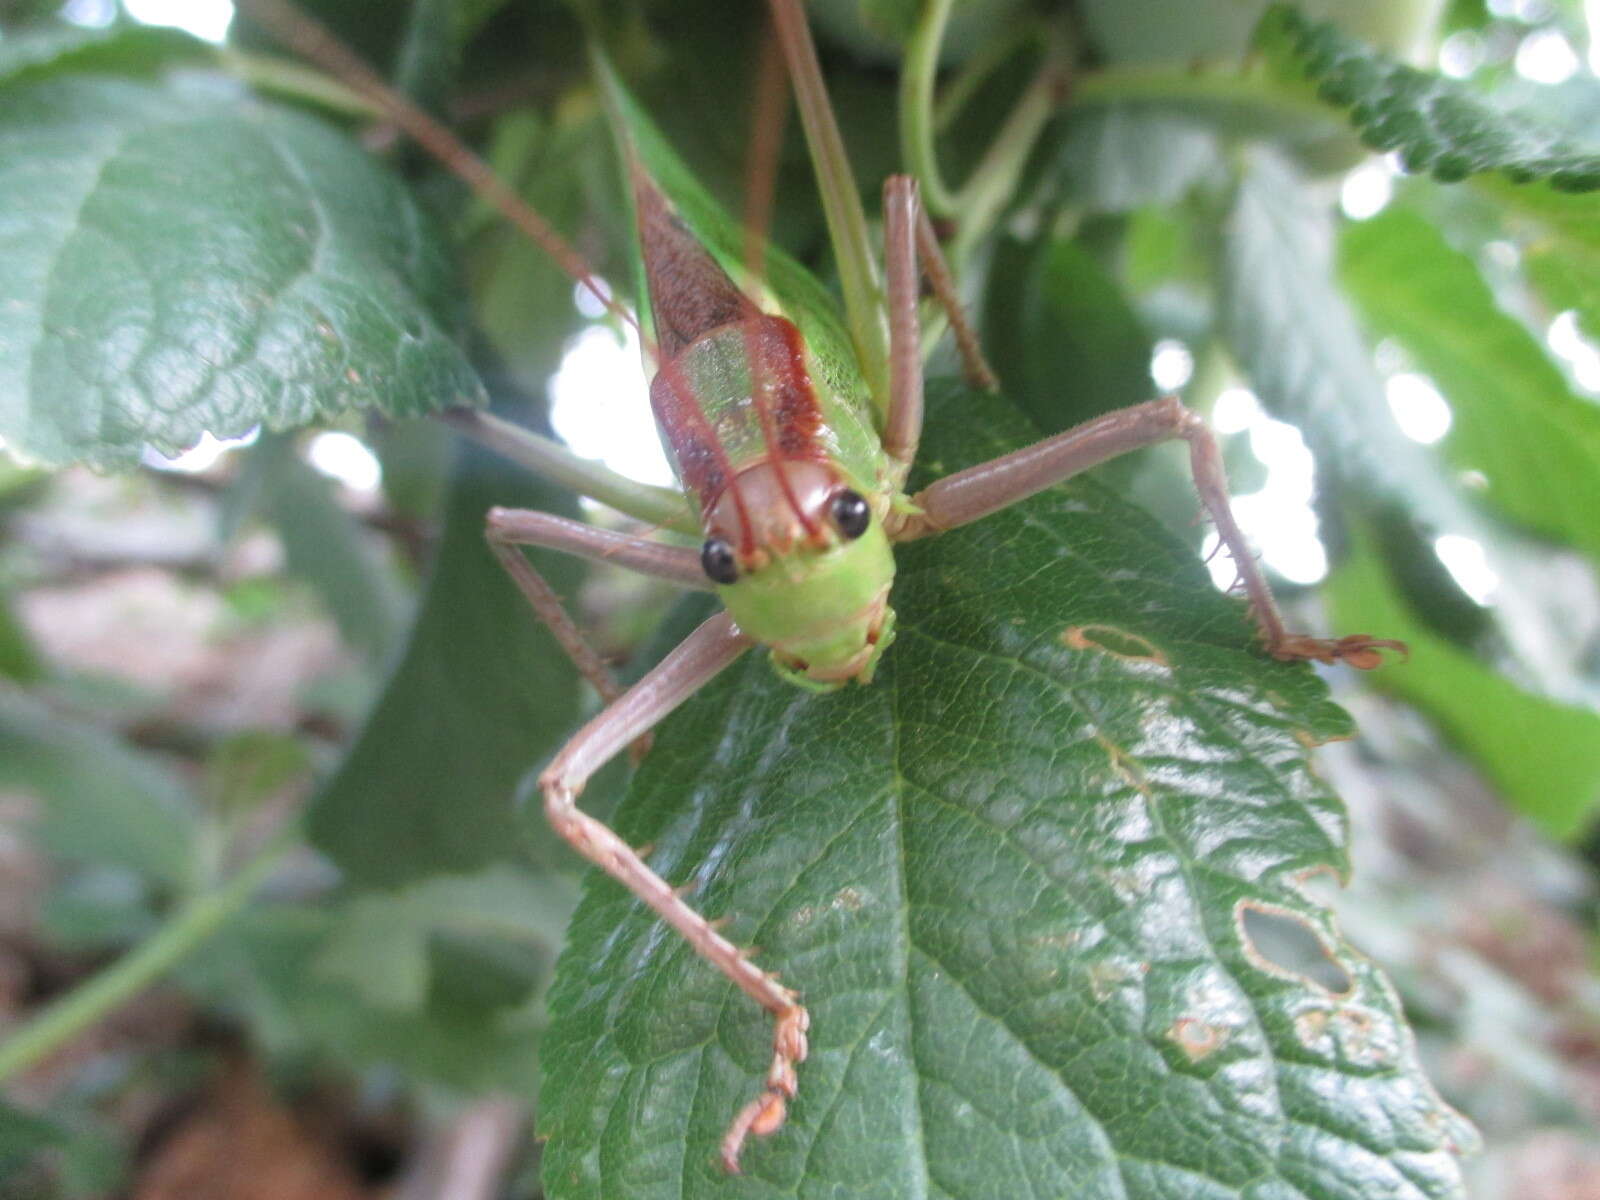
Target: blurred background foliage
x,y
297,633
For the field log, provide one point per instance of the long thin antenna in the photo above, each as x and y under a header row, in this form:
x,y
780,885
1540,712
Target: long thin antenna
x,y
311,39
768,116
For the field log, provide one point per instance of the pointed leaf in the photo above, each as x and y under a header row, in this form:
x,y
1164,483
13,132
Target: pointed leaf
x,y
379,943
480,695
1437,125
323,545
1012,878
125,49
1119,157
1515,418
1298,342
100,801
1560,237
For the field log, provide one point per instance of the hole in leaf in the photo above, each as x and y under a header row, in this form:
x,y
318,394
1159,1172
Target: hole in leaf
x,y
1117,642
1283,943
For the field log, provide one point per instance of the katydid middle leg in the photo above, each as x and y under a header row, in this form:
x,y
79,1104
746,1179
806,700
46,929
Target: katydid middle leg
x,y
966,496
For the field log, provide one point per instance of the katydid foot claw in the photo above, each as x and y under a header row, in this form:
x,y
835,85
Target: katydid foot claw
x,y
765,1114
1357,650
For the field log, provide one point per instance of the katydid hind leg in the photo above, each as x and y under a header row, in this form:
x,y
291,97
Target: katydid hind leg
x,y
698,658
966,496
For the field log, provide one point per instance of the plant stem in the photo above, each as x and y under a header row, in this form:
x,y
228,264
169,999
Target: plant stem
x,y
993,181
554,463
284,78
916,108
1219,83
184,931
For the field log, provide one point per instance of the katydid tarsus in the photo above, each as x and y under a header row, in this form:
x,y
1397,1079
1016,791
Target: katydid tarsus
x,y
796,486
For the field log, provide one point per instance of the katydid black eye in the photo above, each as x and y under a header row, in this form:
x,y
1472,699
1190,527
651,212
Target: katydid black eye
x,y
716,558
851,514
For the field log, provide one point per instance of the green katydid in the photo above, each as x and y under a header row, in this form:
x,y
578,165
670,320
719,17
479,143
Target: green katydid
x,y
793,471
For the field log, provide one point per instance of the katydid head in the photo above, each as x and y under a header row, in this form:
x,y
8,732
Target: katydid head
x,y
809,579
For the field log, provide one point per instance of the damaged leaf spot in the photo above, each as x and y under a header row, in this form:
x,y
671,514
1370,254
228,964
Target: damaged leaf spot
x,y
1349,1033
1118,643
1282,942
1196,1038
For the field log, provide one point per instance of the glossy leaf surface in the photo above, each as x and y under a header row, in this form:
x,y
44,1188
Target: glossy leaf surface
x,y
179,259
1011,878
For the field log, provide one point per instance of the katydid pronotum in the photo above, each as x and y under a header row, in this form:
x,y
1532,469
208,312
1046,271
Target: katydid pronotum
x,y
795,482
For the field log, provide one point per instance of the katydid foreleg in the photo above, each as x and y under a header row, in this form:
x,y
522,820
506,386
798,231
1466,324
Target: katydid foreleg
x,y
969,495
508,528
911,252
527,527
699,657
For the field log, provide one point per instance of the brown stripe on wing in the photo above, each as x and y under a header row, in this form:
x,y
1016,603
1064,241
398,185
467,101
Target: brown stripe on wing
x,y
797,414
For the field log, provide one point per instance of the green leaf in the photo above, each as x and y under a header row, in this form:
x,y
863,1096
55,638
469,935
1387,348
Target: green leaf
x,y
68,1152
482,693
879,29
322,544
429,53
380,943
1202,30
100,801
181,259
1543,755
1515,418
1436,125
1068,344
249,767
124,49
1294,334
22,1136
1120,157
1009,878
19,660
1560,236
265,964
1297,340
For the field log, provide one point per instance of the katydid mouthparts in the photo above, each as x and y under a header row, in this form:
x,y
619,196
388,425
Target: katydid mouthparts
x,y
793,472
